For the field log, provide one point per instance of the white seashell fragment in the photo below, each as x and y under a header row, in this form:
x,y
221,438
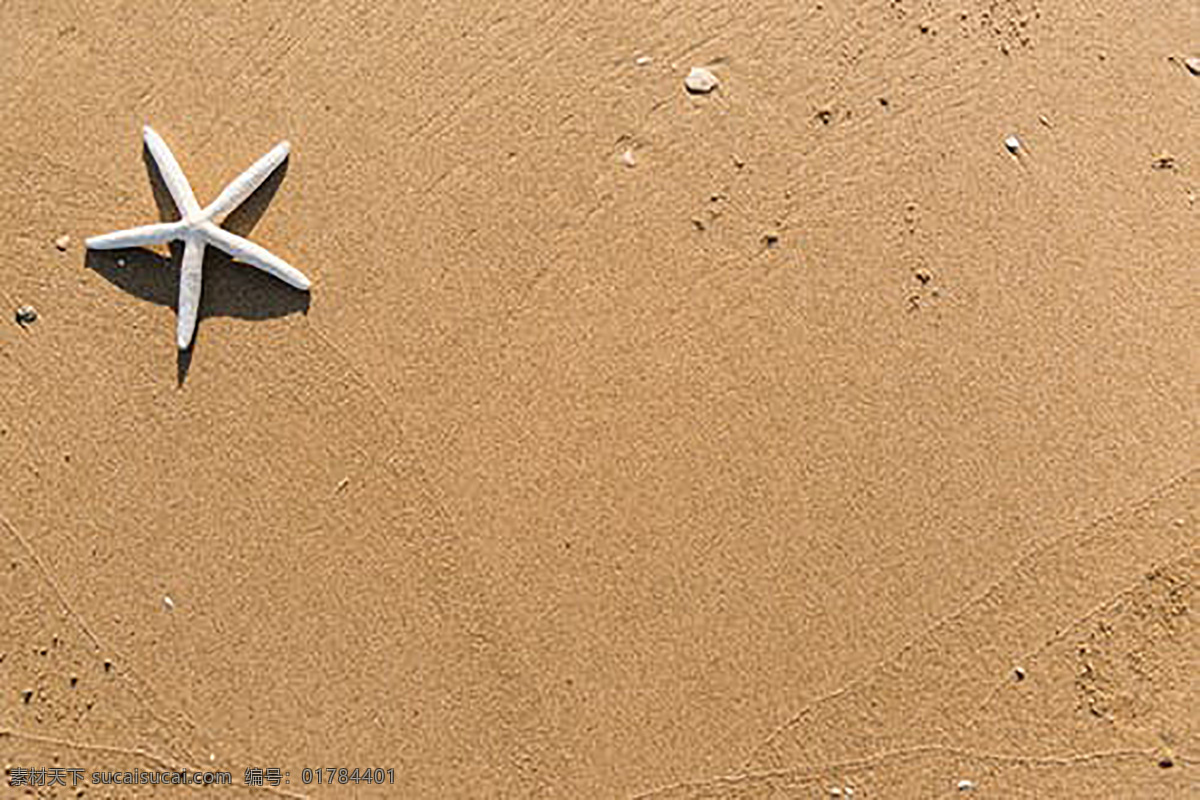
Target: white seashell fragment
x,y
26,316
1013,144
965,785
168,603
63,242
1193,64
700,81
628,158
643,61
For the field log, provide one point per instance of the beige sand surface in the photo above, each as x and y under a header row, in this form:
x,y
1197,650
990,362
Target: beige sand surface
x,y
631,442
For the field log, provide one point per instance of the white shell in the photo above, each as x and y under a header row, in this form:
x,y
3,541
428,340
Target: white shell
x,y
1013,144
700,81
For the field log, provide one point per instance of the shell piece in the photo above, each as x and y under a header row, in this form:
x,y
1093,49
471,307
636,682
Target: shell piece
x,y
1193,64
26,315
1013,144
700,81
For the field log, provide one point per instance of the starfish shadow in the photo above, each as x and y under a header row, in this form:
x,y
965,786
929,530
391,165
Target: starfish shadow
x,y
230,289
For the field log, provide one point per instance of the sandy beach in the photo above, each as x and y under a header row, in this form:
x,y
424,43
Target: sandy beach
x,y
692,400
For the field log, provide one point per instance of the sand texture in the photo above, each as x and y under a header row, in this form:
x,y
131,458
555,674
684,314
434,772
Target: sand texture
x,y
783,431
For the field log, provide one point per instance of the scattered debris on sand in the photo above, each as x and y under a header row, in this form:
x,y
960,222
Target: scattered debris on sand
x,y
1163,161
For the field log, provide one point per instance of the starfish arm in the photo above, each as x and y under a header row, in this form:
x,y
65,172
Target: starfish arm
x,y
191,276
172,175
248,252
244,185
159,233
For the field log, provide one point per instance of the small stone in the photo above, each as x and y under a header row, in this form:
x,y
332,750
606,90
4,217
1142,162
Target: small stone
x,y
965,785
628,158
643,61
1193,64
120,262
1019,674
771,240
63,242
1013,144
1166,762
27,695
700,81
168,603
1042,118
1163,161
26,315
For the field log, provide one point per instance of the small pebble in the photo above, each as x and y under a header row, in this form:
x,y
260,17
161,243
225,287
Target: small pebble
x,y
26,315
628,158
1013,144
1042,118
63,242
1193,64
120,262
965,785
168,603
700,81
643,61
1019,674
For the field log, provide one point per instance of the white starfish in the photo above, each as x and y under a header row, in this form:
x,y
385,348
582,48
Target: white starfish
x,y
198,227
